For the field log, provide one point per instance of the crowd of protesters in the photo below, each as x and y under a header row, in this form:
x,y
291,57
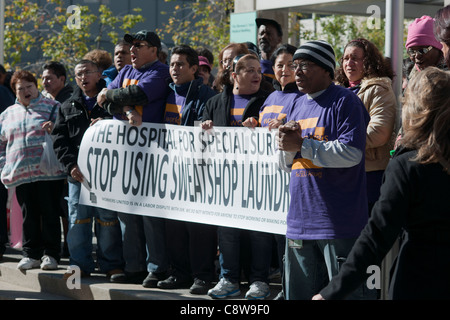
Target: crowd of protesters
x,y
358,183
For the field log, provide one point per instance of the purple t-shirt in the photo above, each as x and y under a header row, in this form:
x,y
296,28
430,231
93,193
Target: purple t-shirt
x,y
153,81
174,108
328,203
267,69
276,106
237,109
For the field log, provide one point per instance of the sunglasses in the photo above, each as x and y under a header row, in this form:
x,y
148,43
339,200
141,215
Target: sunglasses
x,y
422,51
139,45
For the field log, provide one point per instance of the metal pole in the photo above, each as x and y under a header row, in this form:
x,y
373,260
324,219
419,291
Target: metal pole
x,y
393,50
394,39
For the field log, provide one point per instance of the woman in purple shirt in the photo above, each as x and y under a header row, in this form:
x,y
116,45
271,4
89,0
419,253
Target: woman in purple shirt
x,y
231,107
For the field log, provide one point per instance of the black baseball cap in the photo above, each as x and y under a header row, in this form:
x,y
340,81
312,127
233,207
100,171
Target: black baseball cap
x,y
144,35
264,21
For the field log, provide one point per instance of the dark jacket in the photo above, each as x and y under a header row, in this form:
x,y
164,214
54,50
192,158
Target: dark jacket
x,y
64,94
218,108
197,96
71,122
413,202
290,87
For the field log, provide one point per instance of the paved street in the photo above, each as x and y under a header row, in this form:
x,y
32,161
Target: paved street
x,y
49,285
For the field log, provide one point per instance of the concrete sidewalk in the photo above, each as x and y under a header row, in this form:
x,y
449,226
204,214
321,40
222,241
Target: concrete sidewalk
x,y
37,284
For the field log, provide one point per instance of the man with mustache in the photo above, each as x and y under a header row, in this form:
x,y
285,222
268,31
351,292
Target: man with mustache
x,y
74,117
138,94
54,78
270,36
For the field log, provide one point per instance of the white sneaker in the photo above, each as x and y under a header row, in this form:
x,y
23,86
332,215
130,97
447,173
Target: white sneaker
x,y
258,291
28,263
49,263
224,289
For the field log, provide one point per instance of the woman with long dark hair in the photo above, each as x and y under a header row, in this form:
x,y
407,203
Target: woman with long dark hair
x,y
365,71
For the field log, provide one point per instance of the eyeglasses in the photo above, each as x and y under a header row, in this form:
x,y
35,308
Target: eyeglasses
x,y
303,66
226,62
80,75
422,51
138,45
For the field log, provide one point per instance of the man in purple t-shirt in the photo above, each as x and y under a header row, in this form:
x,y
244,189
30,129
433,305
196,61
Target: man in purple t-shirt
x,y
322,145
138,94
139,91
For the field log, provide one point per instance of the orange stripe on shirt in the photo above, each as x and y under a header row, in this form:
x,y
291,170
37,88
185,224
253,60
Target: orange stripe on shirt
x,y
271,109
129,82
308,123
269,75
303,164
237,112
174,108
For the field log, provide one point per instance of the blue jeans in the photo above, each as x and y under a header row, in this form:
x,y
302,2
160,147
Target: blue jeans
x,y
144,243
310,268
79,236
229,258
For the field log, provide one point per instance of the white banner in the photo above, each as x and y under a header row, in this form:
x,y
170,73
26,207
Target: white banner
x,y
226,176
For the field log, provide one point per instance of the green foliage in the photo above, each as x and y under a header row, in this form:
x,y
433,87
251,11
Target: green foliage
x,y
44,30
339,30
204,23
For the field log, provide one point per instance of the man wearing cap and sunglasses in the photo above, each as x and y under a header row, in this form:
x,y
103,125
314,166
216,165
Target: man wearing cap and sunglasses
x,y
138,94
140,89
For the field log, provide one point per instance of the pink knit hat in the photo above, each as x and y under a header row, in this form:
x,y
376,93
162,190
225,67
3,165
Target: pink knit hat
x,y
420,33
202,61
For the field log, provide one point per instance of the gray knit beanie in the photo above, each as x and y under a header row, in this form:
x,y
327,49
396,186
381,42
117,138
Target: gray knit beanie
x,y
320,52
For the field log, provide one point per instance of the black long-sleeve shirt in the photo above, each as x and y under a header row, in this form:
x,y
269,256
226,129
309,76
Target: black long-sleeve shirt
x,y
415,198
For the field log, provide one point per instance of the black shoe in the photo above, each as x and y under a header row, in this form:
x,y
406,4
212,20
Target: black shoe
x,y
200,287
2,251
173,282
65,251
151,281
129,277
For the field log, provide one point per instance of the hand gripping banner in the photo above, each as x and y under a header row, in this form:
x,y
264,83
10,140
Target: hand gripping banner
x,y
225,176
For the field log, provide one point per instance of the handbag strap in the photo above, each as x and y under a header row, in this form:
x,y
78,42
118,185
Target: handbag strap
x,y
53,111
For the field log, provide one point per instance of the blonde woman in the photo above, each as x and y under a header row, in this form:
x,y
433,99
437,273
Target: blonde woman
x,y
413,202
